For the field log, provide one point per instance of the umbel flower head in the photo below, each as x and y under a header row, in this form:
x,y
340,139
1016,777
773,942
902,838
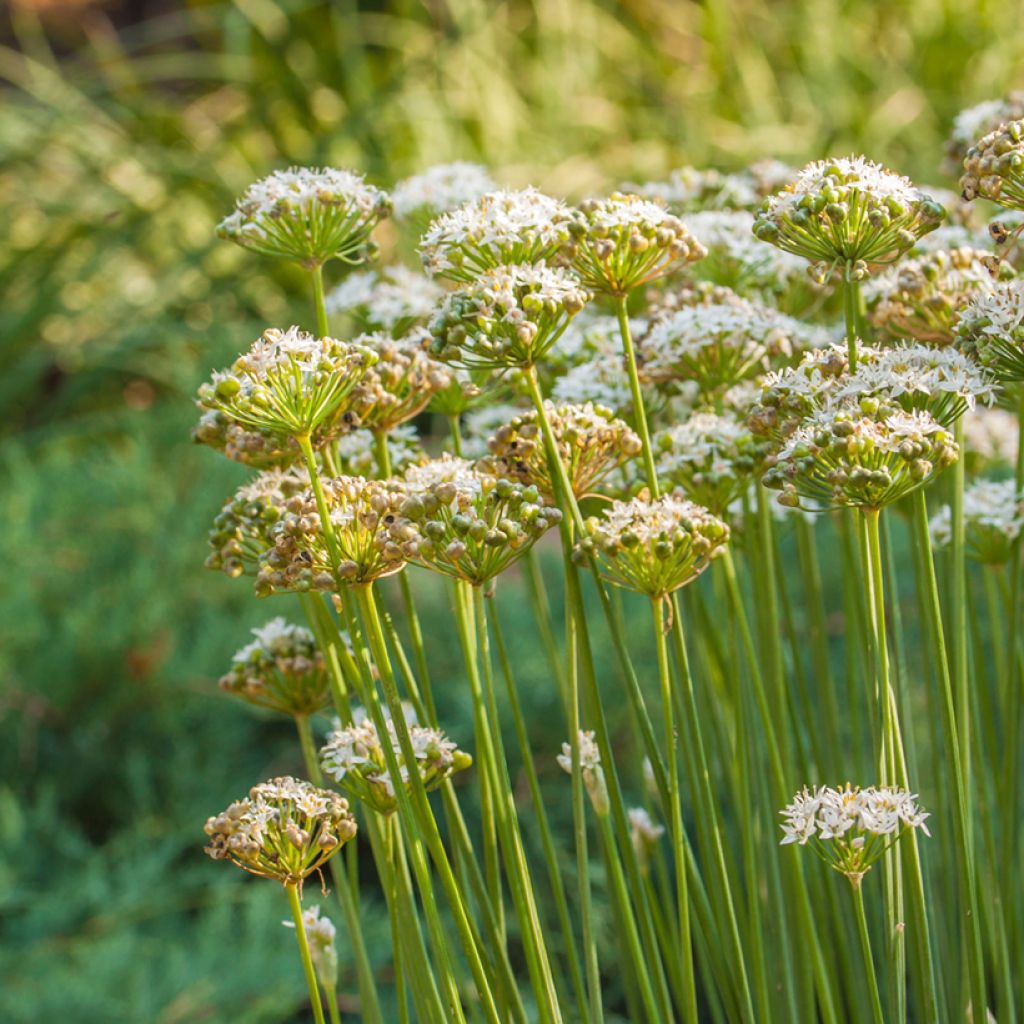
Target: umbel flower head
x,y
602,381
850,828
991,328
241,530
354,758
921,298
499,228
417,200
993,518
711,458
860,456
361,512
690,189
401,382
282,670
307,215
355,453
847,210
393,299
653,547
590,769
974,122
467,524
320,933
507,317
994,167
285,829
289,385
624,241
990,438
591,443
721,344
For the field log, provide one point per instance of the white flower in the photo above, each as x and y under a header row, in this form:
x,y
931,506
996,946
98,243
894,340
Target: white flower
x,y
865,176
448,469
590,755
275,636
386,299
591,335
992,434
441,188
993,519
602,381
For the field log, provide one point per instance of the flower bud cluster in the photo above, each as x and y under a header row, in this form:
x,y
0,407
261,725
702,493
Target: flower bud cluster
x,y
393,299
288,385
307,215
994,167
507,317
991,329
499,228
361,513
354,758
465,523
285,829
851,827
974,122
624,241
281,670
993,518
861,455
591,443
847,210
653,546
590,768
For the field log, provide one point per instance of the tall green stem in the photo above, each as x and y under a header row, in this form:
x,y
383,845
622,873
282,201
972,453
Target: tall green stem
x,y
322,327
865,946
851,301
307,960
639,412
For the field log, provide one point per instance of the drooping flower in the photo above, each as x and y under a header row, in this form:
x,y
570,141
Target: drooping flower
x,y
993,518
644,835
590,769
307,215
320,933
393,299
286,829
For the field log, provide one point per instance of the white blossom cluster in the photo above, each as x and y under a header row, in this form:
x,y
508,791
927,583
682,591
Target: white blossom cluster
x,y
826,813
993,518
441,188
389,299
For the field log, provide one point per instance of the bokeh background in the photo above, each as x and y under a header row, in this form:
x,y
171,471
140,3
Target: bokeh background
x,y
126,129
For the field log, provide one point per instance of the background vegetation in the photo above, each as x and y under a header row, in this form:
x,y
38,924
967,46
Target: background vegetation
x,y
125,132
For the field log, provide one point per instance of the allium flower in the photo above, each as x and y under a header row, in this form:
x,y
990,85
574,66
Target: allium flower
x,y
465,523
497,229
623,242
602,382
689,189
249,447
644,835
281,670
653,547
361,514
719,346
479,425
439,189
991,328
921,298
393,299
285,829
847,210
289,385
991,436
974,122
591,444
993,518
590,769
851,828
356,455
354,758
591,336
507,317
241,531
994,167
401,382
852,456
711,458
307,215
320,933
943,382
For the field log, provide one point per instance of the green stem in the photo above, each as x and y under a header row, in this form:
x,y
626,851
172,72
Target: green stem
x,y
331,998
307,960
865,946
851,300
322,327
639,412
321,501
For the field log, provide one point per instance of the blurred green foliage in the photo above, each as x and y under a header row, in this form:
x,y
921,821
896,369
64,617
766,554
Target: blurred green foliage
x,y
120,148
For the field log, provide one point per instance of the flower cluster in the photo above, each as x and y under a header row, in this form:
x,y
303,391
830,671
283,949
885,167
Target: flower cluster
x,y
439,189
357,453
711,458
354,758
993,518
281,670
624,241
690,189
921,298
498,228
356,549
850,828
393,299
860,456
509,316
289,385
466,523
991,328
602,381
590,769
847,210
974,122
307,215
991,437
285,829
320,934
993,167
591,443
653,546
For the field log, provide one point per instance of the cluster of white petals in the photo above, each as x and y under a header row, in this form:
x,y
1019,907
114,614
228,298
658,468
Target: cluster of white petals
x,y
827,814
993,518
441,188
388,298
